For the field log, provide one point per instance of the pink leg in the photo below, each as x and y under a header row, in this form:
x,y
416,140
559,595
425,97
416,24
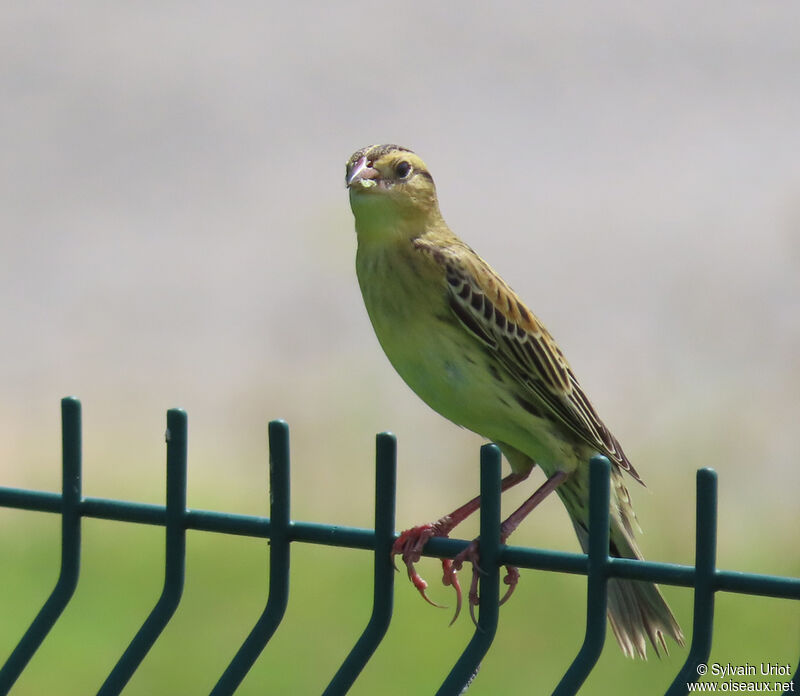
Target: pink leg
x,y
411,542
511,523
515,518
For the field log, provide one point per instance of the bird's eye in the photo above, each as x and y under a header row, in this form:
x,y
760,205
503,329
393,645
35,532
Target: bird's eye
x,y
403,169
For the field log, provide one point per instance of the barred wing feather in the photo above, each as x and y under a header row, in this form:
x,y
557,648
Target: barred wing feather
x,y
493,312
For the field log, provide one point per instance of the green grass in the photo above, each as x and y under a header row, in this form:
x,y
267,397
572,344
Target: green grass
x,y
226,587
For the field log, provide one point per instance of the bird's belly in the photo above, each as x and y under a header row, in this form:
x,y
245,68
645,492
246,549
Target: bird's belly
x,y
449,368
446,375
453,373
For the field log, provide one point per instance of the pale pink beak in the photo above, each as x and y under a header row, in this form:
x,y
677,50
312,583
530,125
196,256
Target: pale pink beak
x,y
361,172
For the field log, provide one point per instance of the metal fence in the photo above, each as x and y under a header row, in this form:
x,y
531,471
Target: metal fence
x,y
282,531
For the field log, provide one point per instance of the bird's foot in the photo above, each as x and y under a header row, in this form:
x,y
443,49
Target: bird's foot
x,y
511,579
409,545
471,554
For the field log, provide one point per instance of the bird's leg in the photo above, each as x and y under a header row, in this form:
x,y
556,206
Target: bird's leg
x,y
509,525
411,542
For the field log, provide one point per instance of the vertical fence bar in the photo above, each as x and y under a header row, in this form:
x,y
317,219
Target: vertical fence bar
x,y
383,595
597,586
705,570
175,563
278,597
466,669
70,546
706,579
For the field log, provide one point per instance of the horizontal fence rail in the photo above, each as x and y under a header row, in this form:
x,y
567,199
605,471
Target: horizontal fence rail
x,y
282,531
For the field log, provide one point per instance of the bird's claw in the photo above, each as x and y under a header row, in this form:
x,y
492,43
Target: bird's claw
x,y
474,599
472,555
420,584
511,579
411,542
450,578
410,545
469,554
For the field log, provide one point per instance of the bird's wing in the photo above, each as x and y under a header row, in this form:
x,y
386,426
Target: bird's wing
x,y
493,312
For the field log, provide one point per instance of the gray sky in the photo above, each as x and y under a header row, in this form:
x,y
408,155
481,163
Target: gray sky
x,y
174,228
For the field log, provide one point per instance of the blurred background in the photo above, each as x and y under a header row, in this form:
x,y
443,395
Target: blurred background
x,y
174,231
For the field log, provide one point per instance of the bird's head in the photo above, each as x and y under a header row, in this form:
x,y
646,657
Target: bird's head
x,y
390,184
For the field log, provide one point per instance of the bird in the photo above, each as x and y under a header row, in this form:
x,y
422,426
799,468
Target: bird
x,y
467,345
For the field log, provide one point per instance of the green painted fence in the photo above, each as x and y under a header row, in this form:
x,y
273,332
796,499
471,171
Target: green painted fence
x,y
282,532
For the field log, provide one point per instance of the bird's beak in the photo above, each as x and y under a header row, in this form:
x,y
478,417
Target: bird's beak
x,y
361,174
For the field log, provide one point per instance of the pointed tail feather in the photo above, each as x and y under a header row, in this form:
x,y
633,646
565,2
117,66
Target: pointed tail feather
x,y
636,609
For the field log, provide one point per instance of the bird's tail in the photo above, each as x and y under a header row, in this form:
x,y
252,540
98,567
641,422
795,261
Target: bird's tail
x,y
636,609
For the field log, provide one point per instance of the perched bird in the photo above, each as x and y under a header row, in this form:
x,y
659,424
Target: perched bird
x,y
466,344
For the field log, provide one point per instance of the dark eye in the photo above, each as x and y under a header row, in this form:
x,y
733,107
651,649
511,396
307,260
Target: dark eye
x,y
403,169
